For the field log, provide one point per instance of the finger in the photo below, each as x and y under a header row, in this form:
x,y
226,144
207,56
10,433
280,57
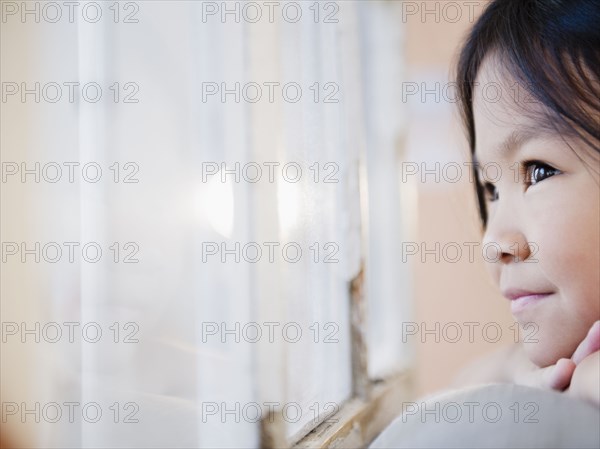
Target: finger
x,y
589,345
554,377
558,377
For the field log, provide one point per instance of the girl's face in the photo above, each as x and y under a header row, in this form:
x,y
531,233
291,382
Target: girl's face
x,y
544,219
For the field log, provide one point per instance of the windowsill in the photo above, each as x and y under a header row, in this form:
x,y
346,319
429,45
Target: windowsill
x,y
360,421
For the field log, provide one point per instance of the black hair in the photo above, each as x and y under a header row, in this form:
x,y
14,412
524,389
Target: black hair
x,y
552,48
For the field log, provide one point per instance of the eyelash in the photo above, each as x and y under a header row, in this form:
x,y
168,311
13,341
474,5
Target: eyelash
x,y
527,170
528,173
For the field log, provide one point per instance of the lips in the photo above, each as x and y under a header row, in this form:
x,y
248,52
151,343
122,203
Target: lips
x,y
524,299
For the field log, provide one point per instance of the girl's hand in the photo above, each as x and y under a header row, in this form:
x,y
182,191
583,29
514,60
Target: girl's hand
x,y
589,345
558,376
585,383
553,377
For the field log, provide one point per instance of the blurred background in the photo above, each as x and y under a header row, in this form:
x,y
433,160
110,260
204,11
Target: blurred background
x,y
233,224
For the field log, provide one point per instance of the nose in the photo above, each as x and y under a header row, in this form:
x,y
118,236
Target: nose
x,y
503,240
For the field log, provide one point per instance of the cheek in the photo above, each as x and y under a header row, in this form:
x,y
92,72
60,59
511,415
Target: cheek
x,y
565,225
568,240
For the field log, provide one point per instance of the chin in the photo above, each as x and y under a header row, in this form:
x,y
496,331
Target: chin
x,y
549,349
541,356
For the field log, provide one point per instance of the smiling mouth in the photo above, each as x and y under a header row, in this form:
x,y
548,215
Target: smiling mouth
x,y
520,301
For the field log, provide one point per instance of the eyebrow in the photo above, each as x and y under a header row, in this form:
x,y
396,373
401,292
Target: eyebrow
x,y
513,141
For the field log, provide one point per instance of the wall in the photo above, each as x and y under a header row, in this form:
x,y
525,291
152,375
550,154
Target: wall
x,y
446,292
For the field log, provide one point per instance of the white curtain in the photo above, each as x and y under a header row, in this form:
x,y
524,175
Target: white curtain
x,y
163,300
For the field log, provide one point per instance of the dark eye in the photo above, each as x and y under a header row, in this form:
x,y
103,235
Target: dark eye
x,y
490,191
536,171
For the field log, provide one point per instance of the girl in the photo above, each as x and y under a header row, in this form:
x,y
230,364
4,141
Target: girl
x,y
541,128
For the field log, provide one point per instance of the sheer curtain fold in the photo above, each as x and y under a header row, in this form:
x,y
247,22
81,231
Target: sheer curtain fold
x,y
345,129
